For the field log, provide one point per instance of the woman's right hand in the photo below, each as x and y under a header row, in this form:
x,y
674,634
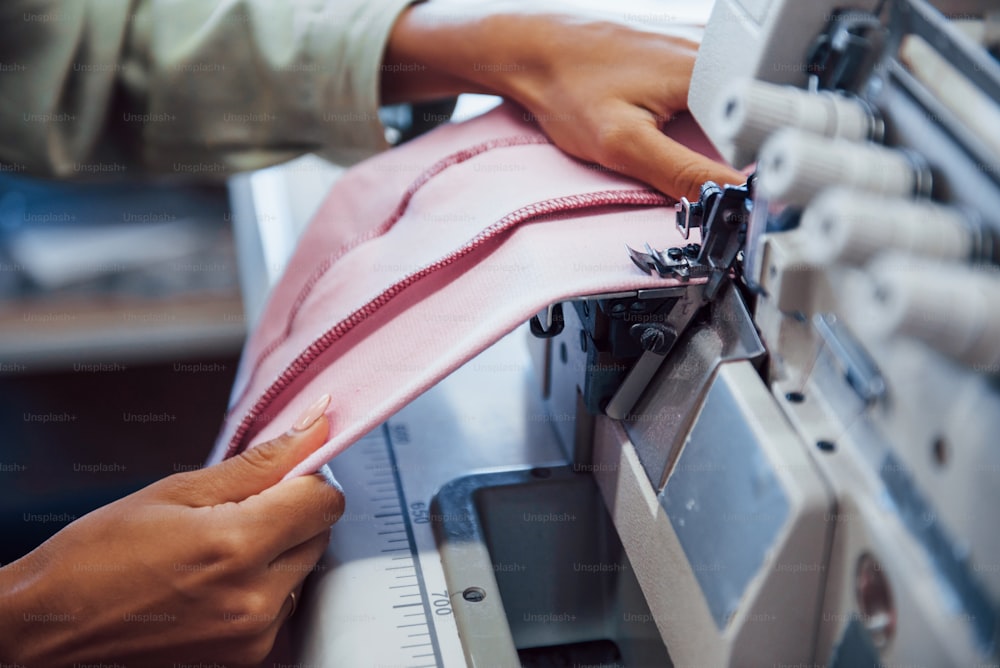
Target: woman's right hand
x,y
196,567
601,91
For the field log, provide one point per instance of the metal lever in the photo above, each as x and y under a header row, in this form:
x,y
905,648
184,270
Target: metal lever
x,y
860,370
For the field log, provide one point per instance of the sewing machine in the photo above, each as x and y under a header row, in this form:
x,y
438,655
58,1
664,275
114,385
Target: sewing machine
x,y
790,461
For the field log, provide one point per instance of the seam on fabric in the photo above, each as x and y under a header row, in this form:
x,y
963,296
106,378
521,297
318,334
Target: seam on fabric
x,y
329,261
558,205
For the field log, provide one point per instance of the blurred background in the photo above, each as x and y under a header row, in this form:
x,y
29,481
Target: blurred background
x,y
121,322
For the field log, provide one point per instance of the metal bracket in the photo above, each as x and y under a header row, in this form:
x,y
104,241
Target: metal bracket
x,y
554,322
657,340
722,214
673,263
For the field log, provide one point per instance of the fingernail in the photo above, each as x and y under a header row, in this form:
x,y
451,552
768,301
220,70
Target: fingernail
x,y
311,414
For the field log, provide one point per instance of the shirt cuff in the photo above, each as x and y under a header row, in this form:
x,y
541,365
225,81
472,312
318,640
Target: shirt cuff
x,y
355,37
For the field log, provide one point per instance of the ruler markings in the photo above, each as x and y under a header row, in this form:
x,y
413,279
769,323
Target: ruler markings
x,y
425,597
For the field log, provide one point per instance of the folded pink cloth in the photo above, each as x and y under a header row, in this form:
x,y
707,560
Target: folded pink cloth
x,y
424,256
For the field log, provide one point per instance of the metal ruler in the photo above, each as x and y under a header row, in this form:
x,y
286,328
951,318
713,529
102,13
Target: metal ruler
x,y
379,597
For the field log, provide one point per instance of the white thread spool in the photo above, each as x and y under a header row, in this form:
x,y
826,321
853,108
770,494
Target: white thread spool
x,y
844,226
953,308
754,110
795,166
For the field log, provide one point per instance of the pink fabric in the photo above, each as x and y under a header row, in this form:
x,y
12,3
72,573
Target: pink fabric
x,y
421,258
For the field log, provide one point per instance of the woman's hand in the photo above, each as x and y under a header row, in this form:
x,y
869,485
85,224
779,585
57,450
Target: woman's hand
x,y
196,567
601,91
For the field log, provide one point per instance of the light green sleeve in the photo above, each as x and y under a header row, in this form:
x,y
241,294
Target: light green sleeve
x,y
188,86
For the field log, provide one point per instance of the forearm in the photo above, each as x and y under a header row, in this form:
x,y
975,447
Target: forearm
x,y
29,625
440,50
601,91
428,56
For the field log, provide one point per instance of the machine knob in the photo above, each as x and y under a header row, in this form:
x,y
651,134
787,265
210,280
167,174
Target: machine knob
x,y
794,166
843,226
754,110
656,338
950,307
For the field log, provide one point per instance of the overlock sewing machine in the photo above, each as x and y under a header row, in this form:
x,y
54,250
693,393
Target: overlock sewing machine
x,y
789,460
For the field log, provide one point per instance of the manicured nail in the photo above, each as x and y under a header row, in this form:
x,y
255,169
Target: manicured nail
x,y
311,414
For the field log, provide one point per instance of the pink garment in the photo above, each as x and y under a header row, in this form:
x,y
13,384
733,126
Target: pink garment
x,y
424,256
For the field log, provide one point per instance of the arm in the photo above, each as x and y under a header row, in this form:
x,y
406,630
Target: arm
x,y
212,86
189,87
601,91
